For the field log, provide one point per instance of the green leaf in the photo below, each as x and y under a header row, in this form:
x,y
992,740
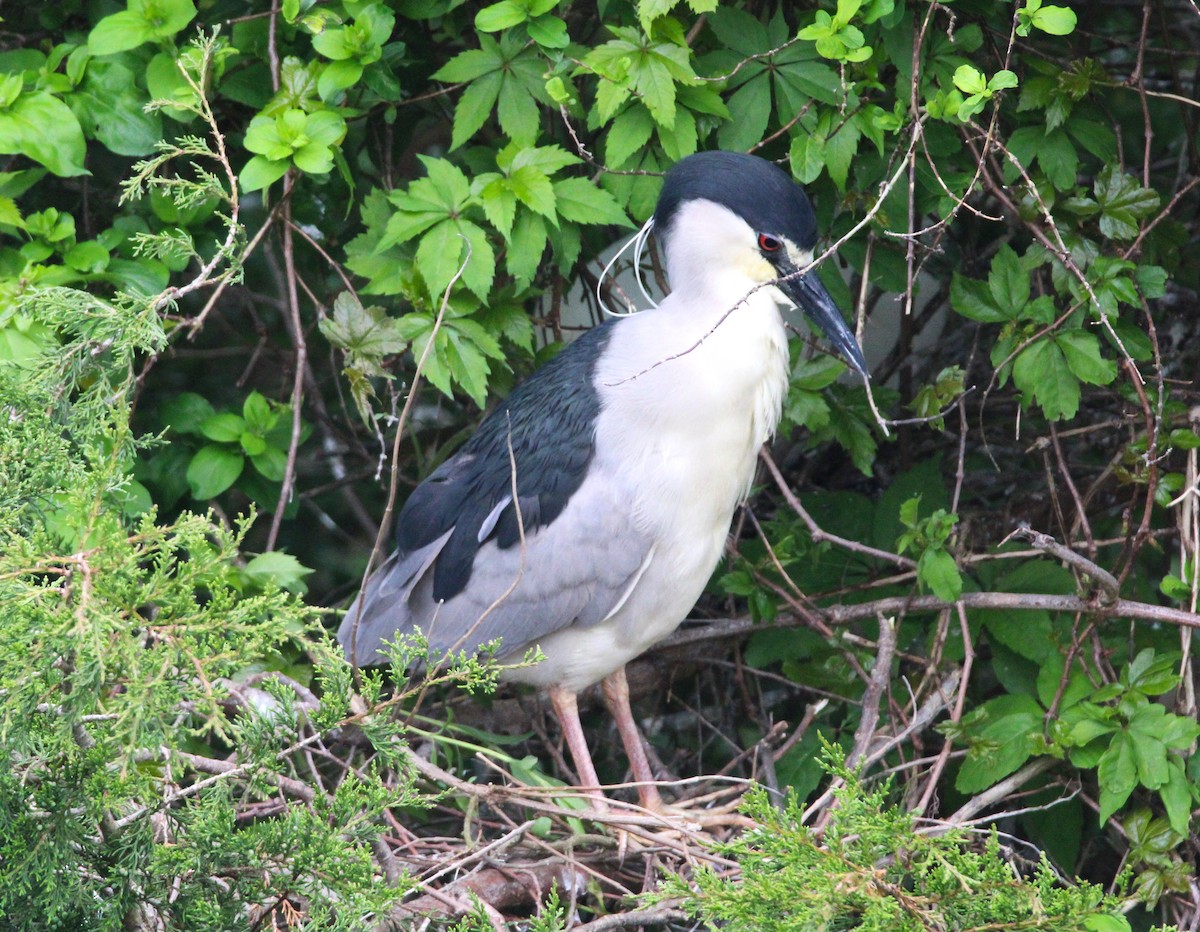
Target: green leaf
x,y
144,21
1001,80
817,373
1041,372
43,128
499,204
975,300
252,444
337,76
807,157
257,412
533,189
937,570
315,159
260,172
752,104
1055,20
1177,798
498,16
213,470
526,247
628,134
580,201
224,427
363,330
1081,350
112,108
1149,751
1123,203
549,32
517,111
118,33
1008,282
969,80
1050,676
279,568
1106,923
11,86
1003,743
657,89
185,412
481,267
88,257
271,463
474,107
438,256
165,17
324,127
1117,775
840,150
471,64
333,44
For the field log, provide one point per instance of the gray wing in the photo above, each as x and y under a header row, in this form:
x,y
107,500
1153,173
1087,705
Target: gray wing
x,y
578,569
461,573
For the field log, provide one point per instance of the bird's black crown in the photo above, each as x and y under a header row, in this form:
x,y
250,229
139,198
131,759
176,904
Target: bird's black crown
x,y
758,191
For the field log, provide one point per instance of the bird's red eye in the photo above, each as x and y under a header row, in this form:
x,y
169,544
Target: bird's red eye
x,y
768,243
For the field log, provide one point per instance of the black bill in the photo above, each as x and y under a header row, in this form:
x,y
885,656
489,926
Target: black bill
x,y
811,297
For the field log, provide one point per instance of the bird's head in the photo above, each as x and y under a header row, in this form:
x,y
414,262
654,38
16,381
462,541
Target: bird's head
x,y
727,210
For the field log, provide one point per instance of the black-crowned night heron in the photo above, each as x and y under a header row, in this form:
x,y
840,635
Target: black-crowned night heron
x,y
629,453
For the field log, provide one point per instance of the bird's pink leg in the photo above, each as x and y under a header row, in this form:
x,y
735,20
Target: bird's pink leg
x,y
567,710
616,692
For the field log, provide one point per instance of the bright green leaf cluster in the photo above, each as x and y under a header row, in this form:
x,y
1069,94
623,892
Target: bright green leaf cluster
x,y
544,28
260,434
929,538
836,37
1130,740
144,21
1048,367
1055,20
39,125
352,48
293,137
979,89
503,78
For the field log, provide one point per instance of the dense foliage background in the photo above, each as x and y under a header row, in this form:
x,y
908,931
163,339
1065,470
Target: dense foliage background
x,y
263,265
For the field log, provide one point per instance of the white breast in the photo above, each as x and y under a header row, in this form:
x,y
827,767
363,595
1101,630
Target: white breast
x,y
685,408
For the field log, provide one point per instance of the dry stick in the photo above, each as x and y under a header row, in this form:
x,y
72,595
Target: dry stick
x,y
1000,791
930,710
1009,601
881,674
1150,458
1081,519
297,325
297,788
394,478
792,594
943,757
818,534
1019,601
196,324
1109,587
333,264
649,917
